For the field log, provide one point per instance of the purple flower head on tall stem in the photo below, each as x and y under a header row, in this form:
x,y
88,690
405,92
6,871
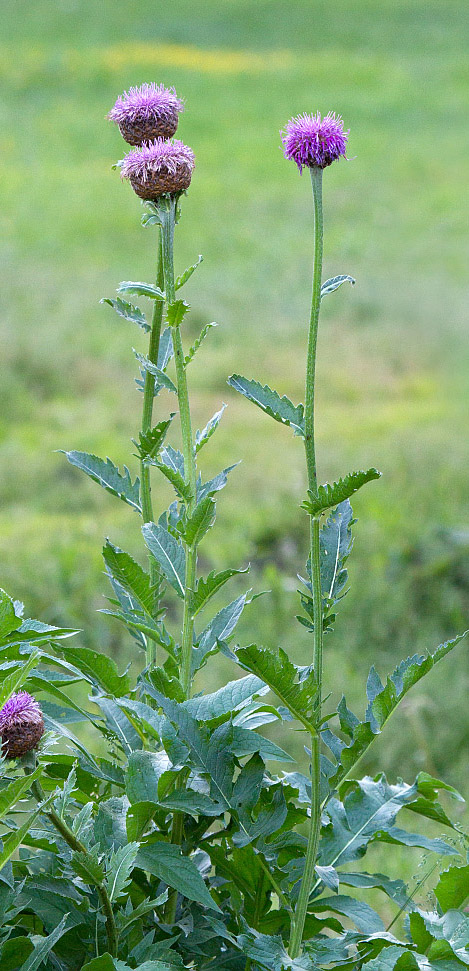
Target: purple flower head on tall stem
x,y
21,724
311,141
158,167
150,111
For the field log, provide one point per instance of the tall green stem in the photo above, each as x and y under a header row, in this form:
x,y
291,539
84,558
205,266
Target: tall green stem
x,y
315,818
168,217
147,420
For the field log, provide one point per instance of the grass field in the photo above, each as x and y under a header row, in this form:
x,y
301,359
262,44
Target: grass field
x,y
393,351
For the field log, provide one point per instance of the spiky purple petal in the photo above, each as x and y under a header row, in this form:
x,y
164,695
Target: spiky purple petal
x,y
21,707
145,102
312,141
160,155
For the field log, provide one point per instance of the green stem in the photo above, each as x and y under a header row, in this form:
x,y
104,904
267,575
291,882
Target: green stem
x,y
168,217
79,847
147,421
298,923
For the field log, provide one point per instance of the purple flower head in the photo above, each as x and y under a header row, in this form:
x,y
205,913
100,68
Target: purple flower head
x,y
150,111
158,167
312,141
21,724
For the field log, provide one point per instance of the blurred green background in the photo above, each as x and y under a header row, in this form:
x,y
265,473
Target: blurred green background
x,y
393,353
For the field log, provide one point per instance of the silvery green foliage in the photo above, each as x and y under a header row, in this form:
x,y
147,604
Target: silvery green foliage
x,y
130,761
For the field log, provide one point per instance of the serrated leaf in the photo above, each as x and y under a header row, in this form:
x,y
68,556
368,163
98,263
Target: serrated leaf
x,y
17,677
141,290
280,408
335,282
195,347
150,442
382,702
119,869
283,678
130,575
452,889
227,699
181,487
13,792
361,914
176,312
201,520
119,725
128,311
207,588
202,437
14,840
108,476
9,619
331,494
144,771
214,485
166,862
219,629
168,553
43,947
185,276
100,668
88,867
162,378
335,544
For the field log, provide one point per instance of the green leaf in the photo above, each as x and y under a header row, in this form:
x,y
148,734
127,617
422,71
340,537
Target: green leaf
x,y
109,825
150,442
144,771
452,889
185,276
181,487
206,588
282,409
88,867
100,668
168,553
119,869
14,840
128,311
329,495
43,946
219,629
64,732
108,476
9,619
214,485
363,916
335,544
142,290
227,699
176,312
284,678
14,791
163,380
166,862
383,701
138,818
130,575
119,725
202,437
103,963
17,677
14,952
335,282
195,347
200,522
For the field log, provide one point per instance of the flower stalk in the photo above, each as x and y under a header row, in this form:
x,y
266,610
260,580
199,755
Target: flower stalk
x,y
298,923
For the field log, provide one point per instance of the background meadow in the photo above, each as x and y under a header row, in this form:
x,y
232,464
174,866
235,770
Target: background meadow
x,y
393,355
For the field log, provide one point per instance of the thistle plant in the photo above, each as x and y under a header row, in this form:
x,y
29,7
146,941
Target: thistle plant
x,y
162,836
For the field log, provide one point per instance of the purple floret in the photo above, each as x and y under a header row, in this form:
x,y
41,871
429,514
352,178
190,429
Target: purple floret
x,y
312,141
158,156
145,102
20,708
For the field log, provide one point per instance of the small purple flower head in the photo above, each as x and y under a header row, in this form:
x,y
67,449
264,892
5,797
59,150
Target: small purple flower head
x,y
150,111
311,141
21,725
159,167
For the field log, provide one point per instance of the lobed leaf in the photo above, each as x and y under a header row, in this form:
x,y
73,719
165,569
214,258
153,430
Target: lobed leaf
x,y
168,553
108,476
335,282
185,276
284,678
207,588
195,347
150,442
329,495
100,668
130,575
176,312
280,408
201,520
166,862
202,437
119,869
162,378
128,312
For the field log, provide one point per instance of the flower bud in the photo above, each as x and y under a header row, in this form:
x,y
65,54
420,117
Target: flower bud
x,y
145,113
311,141
21,725
159,167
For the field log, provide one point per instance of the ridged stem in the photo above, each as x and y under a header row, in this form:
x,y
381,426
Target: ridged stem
x,y
147,421
298,923
167,208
